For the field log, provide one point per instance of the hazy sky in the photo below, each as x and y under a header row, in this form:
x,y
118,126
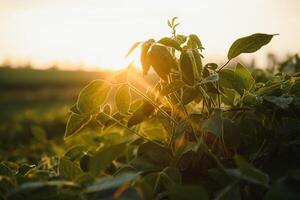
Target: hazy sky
x,y
99,33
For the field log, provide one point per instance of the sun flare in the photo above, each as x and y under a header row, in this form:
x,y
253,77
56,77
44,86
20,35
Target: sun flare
x,y
96,34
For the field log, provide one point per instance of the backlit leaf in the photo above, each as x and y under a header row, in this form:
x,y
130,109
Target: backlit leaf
x,y
248,44
195,40
188,68
104,157
76,152
161,60
144,56
170,43
198,61
243,78
133,47
76,123
172,87
93,96
140,114
239,80
68,169
123,99
189,94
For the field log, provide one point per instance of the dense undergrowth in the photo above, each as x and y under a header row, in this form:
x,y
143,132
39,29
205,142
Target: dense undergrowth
x,y
203,131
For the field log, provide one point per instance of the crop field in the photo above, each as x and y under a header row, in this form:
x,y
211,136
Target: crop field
x,y
178,129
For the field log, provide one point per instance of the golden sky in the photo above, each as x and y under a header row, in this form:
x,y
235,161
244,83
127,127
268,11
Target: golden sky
x,y
98,33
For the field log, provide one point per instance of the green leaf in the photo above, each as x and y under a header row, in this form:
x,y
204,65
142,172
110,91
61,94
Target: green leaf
x,y
239,80
231,96
92,96
161,60
150,184
173,20
68,169
123,99
181,39
250,173
198,61
212,66
76,152
144,111
189,94
104,157
230,192
74,109
133,47
281,102
188,192
188,68
105,187
196,41
211,78
76,123
170,43
169,24
248,44
243,78
103,117
144,55
155,154
227,78
172,87
46,190
214,124
85,162
170,177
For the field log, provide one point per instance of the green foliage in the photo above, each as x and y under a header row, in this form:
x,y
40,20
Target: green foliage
x,y
197,131
140,114
188,67
239,80
214,124
170,43
161,60
251,174
188,192
76,123
68,169
248,44
103,158
123,99
92,96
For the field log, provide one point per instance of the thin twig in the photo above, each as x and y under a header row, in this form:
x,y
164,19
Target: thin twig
x,y
134,132
153,104
223,66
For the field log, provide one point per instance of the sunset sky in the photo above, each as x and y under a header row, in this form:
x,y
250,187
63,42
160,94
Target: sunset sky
x,y
97,34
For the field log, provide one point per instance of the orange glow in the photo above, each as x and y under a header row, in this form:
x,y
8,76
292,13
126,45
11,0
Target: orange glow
x,y
97,34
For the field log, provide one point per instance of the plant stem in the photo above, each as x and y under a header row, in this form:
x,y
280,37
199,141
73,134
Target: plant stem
x,y
223,66
153,104
134,132
237,109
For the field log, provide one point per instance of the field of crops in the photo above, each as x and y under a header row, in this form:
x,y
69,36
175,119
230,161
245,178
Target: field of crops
x,y
181,129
